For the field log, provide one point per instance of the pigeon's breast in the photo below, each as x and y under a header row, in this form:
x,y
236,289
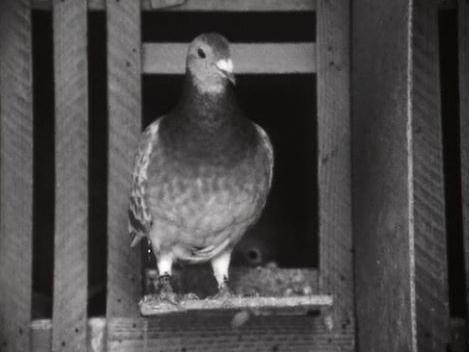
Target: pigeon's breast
x,y
204,200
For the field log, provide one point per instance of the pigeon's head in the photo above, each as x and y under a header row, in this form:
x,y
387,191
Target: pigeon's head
x,y
209,62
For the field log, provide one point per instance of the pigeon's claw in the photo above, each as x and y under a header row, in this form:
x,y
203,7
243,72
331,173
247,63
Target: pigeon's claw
x,y
164,290
224,292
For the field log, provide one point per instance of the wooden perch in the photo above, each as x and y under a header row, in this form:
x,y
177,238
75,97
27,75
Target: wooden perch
x,y
294,305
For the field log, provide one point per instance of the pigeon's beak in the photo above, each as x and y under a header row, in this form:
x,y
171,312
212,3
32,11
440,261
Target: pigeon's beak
x,y
225,66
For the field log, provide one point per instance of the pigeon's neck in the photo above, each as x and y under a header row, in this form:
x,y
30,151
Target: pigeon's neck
x,y
208,109
207,127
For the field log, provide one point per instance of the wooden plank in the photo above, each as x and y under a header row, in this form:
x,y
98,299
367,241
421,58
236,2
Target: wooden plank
x,y
382,175
71,169
258,58
463,59
220,332
207,5
293,305
16,175
124,107
334,166
431,279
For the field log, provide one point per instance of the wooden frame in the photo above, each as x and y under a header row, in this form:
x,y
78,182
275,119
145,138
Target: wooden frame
x,y
128,59
334,165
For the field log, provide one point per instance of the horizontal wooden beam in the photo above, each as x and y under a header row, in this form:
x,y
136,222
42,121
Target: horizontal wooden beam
x,y
256,58
206,5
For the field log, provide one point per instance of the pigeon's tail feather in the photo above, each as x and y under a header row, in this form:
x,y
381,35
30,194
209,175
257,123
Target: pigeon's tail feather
x,y
137,237
137,227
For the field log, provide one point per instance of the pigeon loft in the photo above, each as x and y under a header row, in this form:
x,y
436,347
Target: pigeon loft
x,y
80,79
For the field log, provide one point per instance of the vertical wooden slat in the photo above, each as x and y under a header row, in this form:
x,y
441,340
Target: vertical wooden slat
x,y
463,59
431,279
334,166
71,153
16,175
124,104
382,175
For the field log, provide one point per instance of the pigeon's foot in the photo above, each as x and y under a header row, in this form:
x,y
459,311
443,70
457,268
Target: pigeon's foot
x,y
164,290
224,293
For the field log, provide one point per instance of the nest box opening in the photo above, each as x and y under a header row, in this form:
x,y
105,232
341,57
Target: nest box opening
x,y
283,104
284,243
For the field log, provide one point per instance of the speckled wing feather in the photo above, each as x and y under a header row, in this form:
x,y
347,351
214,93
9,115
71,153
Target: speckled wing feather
x,y
140,220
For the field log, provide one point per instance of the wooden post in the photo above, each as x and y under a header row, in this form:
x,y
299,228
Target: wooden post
x,y
71,168
383,225
463,59
16,175
124,106
398,187
334,167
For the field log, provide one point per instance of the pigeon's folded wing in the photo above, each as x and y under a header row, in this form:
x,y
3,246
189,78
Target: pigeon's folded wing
x,y
267,145
139,212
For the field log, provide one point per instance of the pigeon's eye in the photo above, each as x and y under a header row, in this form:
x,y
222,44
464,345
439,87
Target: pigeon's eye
x,y
201,53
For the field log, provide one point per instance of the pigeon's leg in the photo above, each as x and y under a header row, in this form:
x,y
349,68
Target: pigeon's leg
x,y
164,290
220,266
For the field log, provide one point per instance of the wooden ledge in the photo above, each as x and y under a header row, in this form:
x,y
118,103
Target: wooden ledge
x,y
294,305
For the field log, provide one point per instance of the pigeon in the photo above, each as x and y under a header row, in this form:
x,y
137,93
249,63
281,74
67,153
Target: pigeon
x,y
202,172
